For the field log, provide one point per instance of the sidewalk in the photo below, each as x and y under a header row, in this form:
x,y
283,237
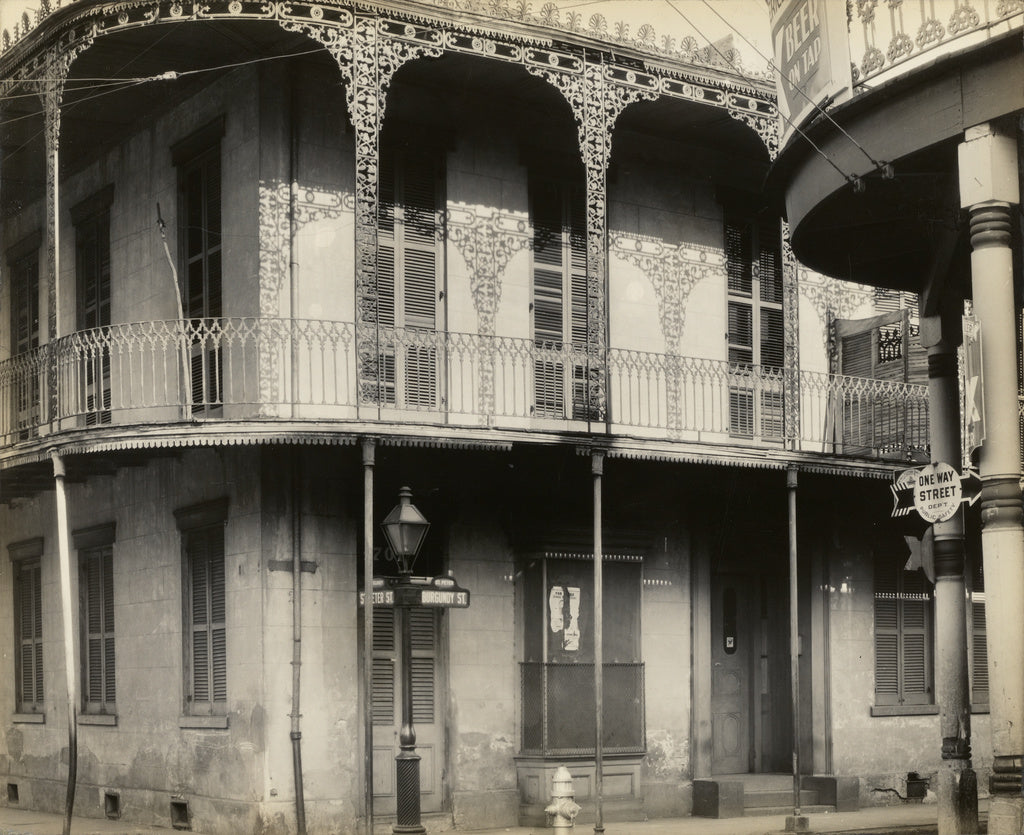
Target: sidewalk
x,y
908,819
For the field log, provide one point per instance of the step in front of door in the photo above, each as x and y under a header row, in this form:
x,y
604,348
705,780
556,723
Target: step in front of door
x,y
781,803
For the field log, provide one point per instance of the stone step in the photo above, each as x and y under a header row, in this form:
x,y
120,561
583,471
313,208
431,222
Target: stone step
x,y
778,797
765,811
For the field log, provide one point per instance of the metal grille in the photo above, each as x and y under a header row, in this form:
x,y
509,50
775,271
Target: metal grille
x,y
559,713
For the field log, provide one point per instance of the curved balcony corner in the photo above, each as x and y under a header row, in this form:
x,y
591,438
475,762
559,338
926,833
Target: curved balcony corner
x,y
306,373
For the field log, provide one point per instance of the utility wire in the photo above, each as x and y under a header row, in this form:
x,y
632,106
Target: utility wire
x,y
880,165
856,182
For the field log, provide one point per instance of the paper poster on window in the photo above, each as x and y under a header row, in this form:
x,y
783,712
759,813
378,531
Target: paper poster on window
x,y
555,602
571,636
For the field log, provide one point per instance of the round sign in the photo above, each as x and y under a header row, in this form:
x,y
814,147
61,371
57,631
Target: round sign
x,y
937,493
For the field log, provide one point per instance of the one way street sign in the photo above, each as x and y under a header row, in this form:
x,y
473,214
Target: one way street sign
x,y
904,489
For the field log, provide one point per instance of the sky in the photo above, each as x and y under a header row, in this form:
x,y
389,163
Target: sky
x,y
678,18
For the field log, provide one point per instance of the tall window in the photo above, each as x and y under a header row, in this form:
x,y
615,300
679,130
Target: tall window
x,y
28,623
408,274
755,339
96,590
903,632
24,267
205,607
558,667
199,212
559,299
92,266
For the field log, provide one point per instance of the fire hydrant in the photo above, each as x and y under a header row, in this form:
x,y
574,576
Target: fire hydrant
x,y
563,809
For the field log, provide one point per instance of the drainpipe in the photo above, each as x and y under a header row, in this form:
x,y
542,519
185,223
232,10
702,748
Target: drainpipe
x,y
369,450
296,732
296,502
597,470
63,540
795,822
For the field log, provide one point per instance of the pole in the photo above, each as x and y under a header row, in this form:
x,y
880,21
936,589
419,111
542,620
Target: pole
x,y
957,787
407,761
296,725
795,822
368,462
597,469
67,613
988,188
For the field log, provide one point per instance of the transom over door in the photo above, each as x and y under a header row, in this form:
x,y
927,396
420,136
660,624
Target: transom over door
x,y
387,705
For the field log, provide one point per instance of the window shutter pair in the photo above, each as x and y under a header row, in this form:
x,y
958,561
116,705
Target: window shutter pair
x,y
29,602
98,592
208,615
903,614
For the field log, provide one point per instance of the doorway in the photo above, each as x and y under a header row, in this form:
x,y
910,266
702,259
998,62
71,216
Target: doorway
x,y
751,706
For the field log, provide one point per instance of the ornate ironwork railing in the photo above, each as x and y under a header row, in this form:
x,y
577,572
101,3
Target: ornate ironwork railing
x,y
280,369
888,37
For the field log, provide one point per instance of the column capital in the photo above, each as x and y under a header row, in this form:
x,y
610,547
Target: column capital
x,y
988,167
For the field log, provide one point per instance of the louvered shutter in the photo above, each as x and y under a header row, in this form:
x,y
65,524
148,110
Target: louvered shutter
x,y
887,637
423,628
916,656
208,617
29,603
979,634
737,258
98,606
385,666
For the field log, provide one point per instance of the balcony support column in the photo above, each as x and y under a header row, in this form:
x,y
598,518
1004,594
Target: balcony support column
x,y
957,787
988,187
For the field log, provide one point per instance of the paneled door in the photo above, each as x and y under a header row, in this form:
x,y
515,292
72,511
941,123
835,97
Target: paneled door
x,y
731,673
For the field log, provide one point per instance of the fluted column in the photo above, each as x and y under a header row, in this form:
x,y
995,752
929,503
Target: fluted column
x,y
988,188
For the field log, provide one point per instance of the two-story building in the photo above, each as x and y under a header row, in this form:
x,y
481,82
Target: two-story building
x,y
264,264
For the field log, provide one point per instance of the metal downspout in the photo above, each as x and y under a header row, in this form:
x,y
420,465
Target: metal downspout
x,y
296,731
296,503
63,540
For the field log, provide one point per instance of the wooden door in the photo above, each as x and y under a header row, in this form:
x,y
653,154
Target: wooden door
x,y
387,706
731,668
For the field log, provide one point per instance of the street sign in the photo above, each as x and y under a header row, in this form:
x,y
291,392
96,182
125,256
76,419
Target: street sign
x,y
937,492
905,492
430,592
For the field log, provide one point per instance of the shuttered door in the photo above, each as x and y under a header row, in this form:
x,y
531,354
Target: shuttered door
x,y
386,705
560,312
92,242
408,268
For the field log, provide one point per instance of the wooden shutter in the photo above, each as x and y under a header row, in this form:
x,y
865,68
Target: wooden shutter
x,y
903,651
385,665
407,275
887,637
423,629
98,600
29,602
916,644
208,615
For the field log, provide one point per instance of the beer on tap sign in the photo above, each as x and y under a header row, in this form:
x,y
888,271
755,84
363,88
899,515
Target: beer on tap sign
x,y
812,57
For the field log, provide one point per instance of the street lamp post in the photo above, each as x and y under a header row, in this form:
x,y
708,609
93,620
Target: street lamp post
x,y
405,528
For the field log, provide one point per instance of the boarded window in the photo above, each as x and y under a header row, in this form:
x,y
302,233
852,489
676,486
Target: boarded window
x,y
903,632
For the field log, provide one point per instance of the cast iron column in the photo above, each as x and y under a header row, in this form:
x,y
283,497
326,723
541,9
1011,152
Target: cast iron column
x,y
407,761
957,788
988,187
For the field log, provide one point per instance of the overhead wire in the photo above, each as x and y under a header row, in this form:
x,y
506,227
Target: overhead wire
x,y
854,181
879,164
